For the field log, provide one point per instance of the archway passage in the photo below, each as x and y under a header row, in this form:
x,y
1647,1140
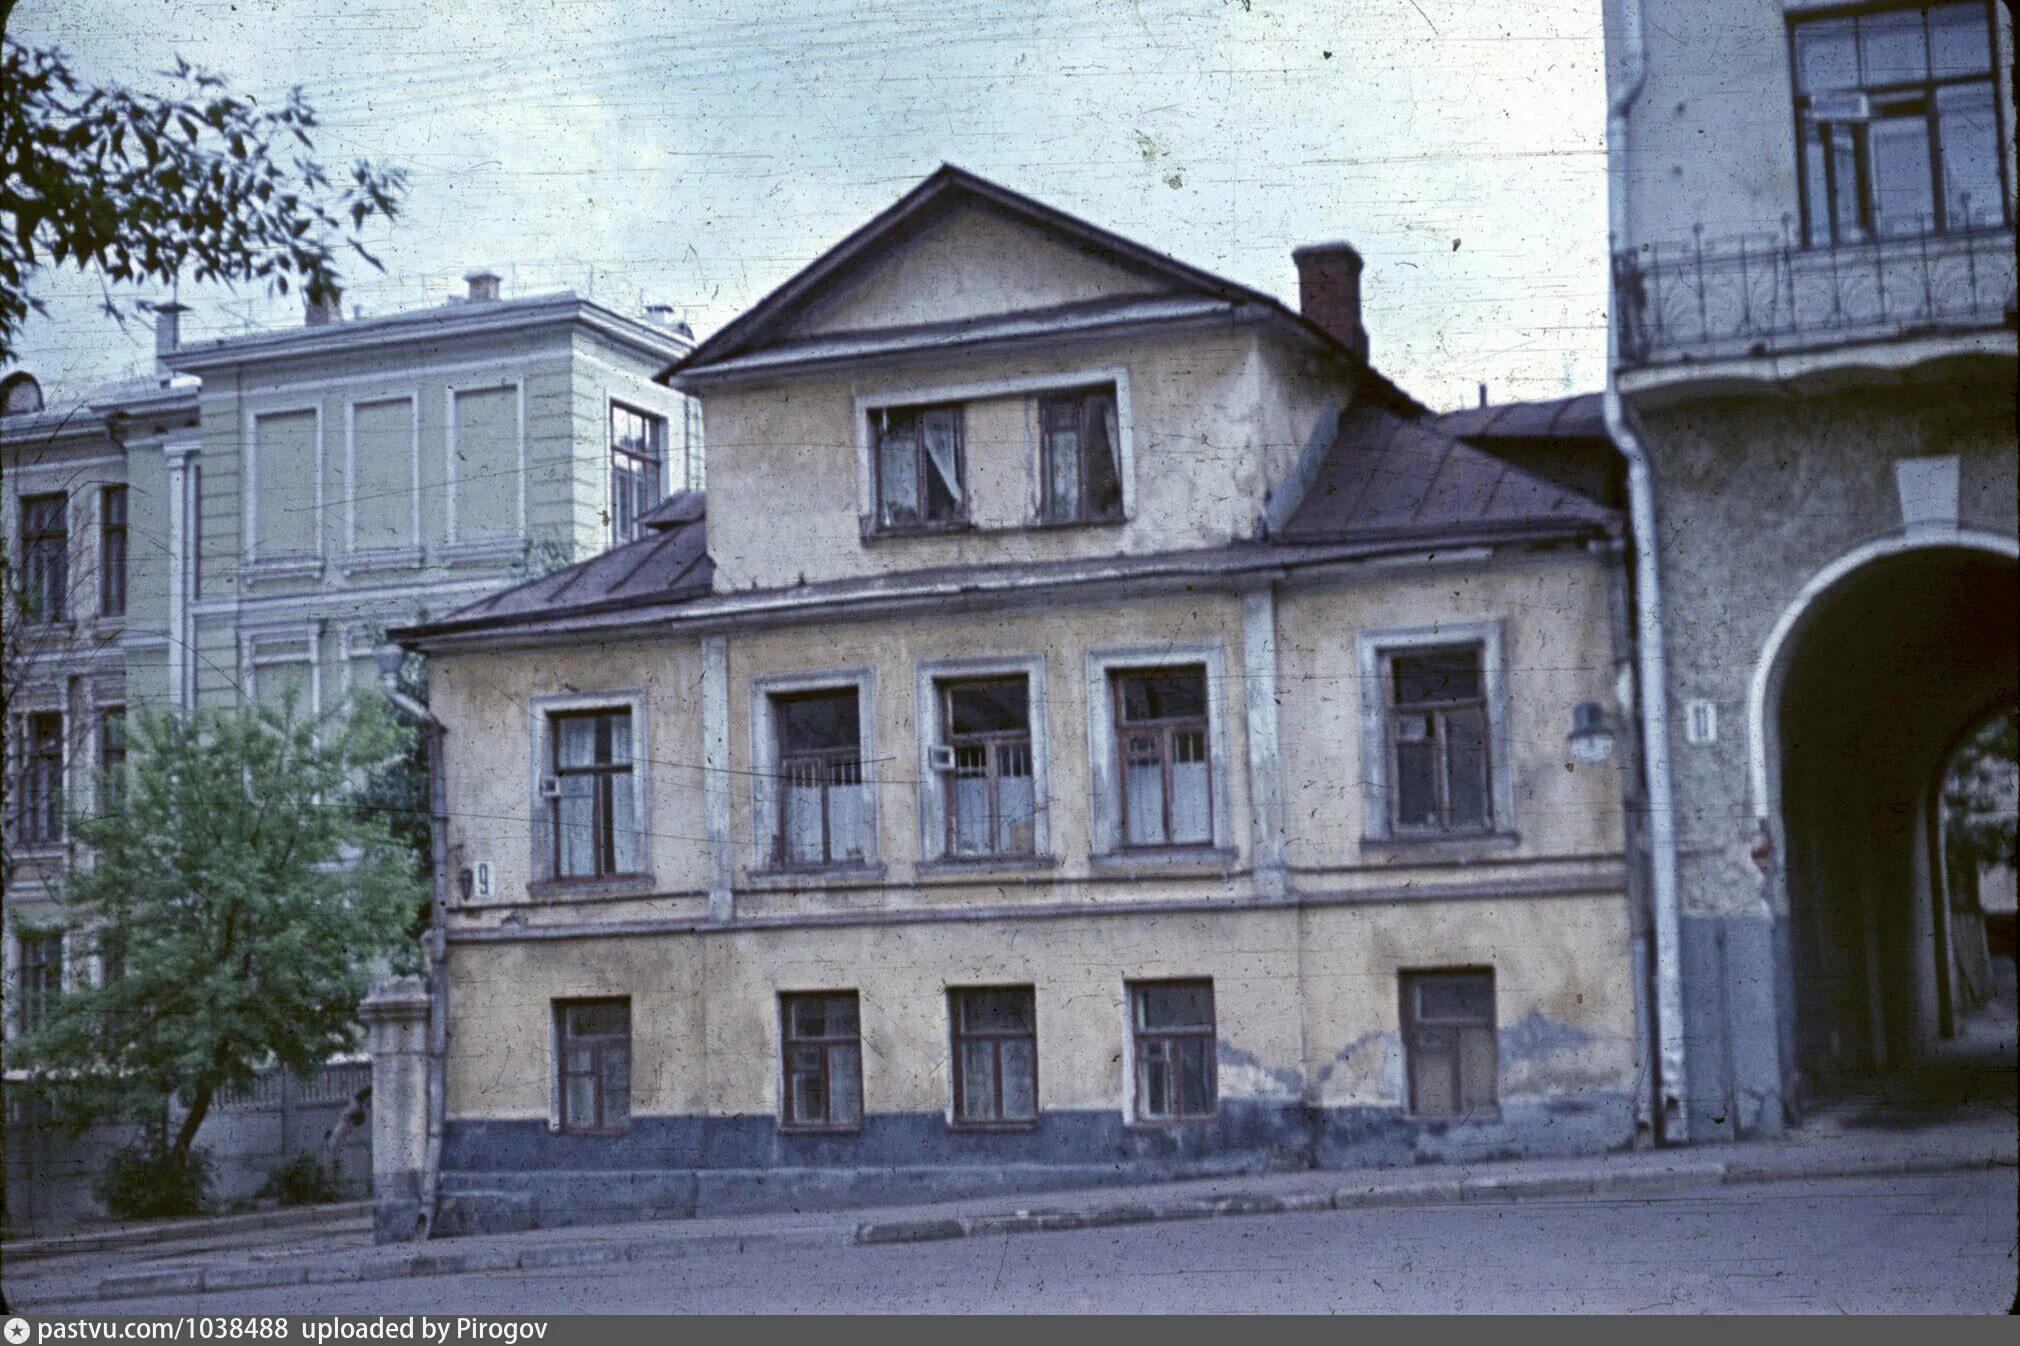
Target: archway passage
x,y
1888,670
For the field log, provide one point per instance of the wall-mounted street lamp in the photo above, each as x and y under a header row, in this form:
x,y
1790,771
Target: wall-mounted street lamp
x,y
1591,738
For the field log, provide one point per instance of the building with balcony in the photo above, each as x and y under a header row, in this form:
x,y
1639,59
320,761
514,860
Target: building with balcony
x,y
1814,355
1094,727
257,512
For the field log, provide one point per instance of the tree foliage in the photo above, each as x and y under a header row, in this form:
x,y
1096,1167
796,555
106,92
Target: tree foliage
x,y
241,895
200,183
1978,794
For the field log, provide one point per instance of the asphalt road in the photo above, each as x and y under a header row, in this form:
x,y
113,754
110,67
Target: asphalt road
x,y
1937,1243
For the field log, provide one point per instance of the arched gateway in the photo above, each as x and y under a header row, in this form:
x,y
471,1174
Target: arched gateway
x,y
1863,690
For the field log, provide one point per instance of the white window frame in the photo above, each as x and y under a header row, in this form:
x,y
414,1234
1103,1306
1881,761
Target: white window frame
x,y
764,760
1371,648
1029,387
1104,771
294,644
540,712
382,557
495,546
282,564
637,406
932,732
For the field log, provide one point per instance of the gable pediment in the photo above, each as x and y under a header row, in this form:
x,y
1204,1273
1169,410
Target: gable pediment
x,y
972,261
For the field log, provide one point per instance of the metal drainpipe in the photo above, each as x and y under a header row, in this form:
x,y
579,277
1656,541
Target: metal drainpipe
x,y
438,949
1653,689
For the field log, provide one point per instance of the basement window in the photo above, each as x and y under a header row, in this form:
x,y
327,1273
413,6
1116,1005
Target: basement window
x,y
1448,1042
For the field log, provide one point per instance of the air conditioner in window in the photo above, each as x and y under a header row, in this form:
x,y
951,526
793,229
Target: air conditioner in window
x,y
940,757
550,787
1841,106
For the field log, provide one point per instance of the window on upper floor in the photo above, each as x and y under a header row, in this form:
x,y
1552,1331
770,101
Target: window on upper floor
x,y
1164,766
823,813
637,469
1434,741
45,557
1080,440
590,794
112,551
39,976
39,800
987,767
1437,729
921,479
111,758
593,1069
1899,122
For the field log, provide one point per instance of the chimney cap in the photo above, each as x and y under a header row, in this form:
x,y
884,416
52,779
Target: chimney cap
x,y
483,282
481,273
1339,248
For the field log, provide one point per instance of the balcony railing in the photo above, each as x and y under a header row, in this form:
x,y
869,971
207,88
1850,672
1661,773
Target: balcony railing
x,y
1756,295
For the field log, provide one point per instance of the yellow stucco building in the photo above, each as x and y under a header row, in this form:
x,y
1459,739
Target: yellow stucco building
x,y
1095,727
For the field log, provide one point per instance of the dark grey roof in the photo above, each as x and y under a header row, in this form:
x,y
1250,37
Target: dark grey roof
x,y
669,565
1580,417
1388,475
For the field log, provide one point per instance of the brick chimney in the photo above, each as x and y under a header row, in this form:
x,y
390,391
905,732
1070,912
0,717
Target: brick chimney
x,y
483,284
167,335
1329,292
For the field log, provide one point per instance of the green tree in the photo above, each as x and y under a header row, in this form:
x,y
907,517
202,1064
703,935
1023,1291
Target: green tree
x,y
244,894
201,184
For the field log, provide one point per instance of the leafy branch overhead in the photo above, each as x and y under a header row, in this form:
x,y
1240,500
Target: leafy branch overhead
x,y
201,184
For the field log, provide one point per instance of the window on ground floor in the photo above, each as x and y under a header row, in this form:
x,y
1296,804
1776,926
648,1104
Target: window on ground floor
x,y
594,1066
995,1056
1174,1044
1448,1041
823,1051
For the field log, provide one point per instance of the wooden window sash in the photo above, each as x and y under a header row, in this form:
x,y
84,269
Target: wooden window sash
x,y
963,1035
824,1045
1440,714
913,437
994,744
597,1045
1145,1037
1166,731
602,810
1086,409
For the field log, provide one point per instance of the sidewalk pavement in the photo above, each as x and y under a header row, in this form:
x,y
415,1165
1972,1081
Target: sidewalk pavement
x,y
1827,1151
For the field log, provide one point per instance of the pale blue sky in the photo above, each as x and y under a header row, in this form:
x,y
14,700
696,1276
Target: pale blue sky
x,y
698,152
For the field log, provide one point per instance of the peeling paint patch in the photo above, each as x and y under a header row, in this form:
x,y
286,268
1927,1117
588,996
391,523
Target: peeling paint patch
x,y
1249,1075
1536,1037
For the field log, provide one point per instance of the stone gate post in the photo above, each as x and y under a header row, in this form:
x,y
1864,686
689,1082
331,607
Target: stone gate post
x,y
395,1015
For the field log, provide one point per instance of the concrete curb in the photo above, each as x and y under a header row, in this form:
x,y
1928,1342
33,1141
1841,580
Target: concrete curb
x,y
441,1260
1445,1188
1442,1190
63,1245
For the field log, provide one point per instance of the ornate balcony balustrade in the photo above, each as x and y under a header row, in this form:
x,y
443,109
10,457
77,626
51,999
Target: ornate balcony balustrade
x,y
1759,295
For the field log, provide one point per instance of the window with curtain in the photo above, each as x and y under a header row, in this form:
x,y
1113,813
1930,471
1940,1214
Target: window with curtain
x,y
39,806
1175,1050
823,805
1165,768
40,976
595,1066
823,1066
1080,443
921,482
1900,123
995,1056
591,795
991,804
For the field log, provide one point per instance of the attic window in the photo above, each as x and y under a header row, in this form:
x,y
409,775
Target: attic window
x,y
1082,480
920,479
